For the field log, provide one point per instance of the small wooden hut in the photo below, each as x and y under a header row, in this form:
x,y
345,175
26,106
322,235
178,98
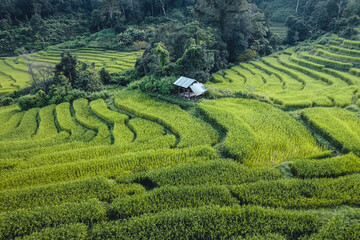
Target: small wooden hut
x,y
189,88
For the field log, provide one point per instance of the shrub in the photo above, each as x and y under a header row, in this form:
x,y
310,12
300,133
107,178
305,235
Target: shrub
x,y
6,101
40,99
153,84
249,54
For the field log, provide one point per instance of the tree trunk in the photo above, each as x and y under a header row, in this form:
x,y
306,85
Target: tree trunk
x,y
297,6
163,7
339,8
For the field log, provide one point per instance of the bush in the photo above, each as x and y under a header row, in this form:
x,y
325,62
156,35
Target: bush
x,y
40,99
123,78
153,84
105,76
248,55
6,101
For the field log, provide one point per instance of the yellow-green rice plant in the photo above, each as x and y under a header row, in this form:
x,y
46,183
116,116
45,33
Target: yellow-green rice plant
x,y
30,147
289,82
341,225
326,62
267,78
298,193
338,57
12,123
67,124
109,167
146,130
24,222
306,63
355,71
339,126
191,130
284,60
70,231
84,117
209,223
21,78
47,127
9,108
258,134
352,52
289,51
333,43
169,197
6,115
219,172
11,62
26,129
350,79
58,193
349,43
121,133
218,78
329,167
300,76
89,152
321,46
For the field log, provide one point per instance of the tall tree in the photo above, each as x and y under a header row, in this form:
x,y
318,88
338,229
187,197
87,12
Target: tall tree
x,y
232,19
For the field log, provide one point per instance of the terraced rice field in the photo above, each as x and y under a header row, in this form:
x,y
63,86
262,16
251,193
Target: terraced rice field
x,y
325,77
279,29
135,167
13,70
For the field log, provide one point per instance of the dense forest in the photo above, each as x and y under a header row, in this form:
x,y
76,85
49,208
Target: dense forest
x,y
178,37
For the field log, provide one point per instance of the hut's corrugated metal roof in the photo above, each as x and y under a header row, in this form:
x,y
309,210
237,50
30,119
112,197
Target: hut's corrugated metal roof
x,y
184,82
198,88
